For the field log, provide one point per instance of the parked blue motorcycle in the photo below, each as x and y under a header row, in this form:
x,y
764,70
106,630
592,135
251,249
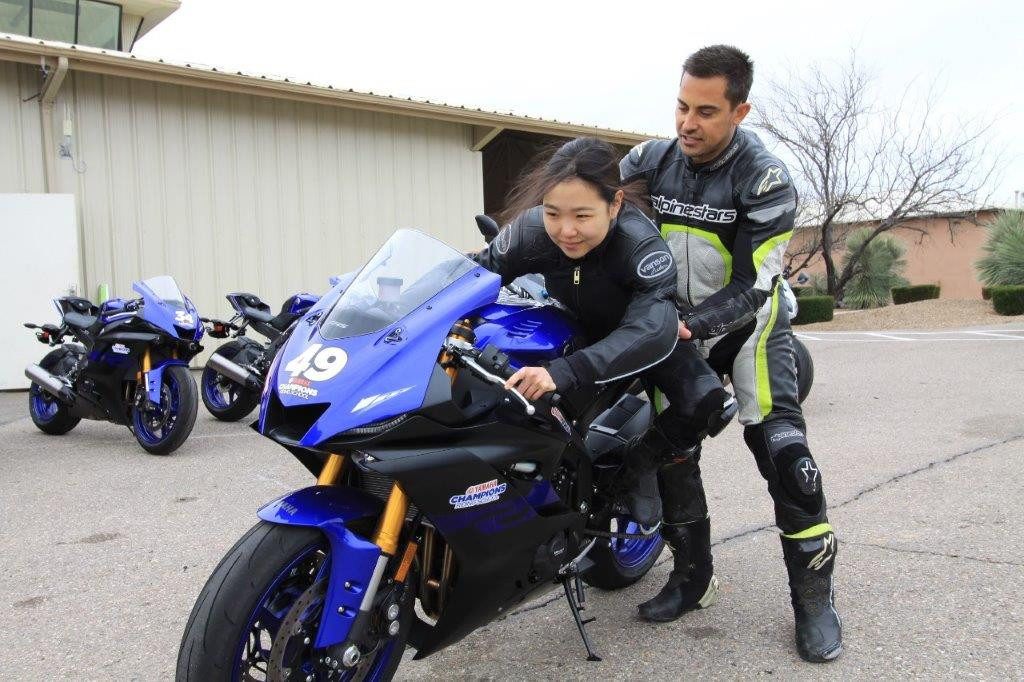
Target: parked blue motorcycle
x,y
128,364
434,483
234,374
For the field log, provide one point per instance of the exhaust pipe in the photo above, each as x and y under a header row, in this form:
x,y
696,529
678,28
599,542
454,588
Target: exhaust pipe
x,y
235,372
49,383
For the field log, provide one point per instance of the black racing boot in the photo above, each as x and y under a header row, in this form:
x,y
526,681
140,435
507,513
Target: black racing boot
x,y
819,636
639,480
692,583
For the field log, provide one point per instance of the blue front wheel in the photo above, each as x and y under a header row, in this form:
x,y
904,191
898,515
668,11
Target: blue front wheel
x,y
161,429
258,615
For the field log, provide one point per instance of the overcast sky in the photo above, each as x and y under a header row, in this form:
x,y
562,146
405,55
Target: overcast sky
x,y
617,68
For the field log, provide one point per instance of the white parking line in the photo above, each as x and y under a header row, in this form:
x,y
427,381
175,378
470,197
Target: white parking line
x,y
887,336
970,335
998,334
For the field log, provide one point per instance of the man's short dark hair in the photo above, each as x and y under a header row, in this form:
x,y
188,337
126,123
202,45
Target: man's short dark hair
x,y
727,61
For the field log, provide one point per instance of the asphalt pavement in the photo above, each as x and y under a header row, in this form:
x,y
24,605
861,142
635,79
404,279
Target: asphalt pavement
x,y
920,439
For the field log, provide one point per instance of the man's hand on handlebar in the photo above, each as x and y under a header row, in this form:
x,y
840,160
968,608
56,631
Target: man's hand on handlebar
x,y
531,382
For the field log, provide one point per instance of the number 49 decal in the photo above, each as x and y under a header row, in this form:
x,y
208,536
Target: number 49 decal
x,y
316,364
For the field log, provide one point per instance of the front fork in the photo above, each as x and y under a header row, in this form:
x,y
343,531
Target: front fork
x,y
150,393
389,527
386,536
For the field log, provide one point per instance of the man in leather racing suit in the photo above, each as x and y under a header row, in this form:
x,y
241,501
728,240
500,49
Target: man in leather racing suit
x,y
726,207
606,262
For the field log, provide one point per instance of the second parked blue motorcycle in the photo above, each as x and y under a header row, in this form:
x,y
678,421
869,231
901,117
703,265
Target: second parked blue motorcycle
x,y
127,363
234,374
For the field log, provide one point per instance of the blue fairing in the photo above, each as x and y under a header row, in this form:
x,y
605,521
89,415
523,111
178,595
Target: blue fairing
x,y
300,303
177,318
155,376
379,379
529,335
353,558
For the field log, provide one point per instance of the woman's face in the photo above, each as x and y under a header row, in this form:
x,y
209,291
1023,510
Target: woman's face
x,y
576,217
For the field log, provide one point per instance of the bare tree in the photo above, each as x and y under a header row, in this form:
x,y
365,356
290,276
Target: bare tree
x,y
858,162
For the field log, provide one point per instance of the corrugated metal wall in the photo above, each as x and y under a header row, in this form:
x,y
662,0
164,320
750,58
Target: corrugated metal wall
x,y
232,192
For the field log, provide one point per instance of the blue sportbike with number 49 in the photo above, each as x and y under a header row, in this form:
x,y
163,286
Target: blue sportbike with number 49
x,y
127,363
434,483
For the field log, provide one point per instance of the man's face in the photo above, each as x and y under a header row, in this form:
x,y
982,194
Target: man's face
x,y
705,120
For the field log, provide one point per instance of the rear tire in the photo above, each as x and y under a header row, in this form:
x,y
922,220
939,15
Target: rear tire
x,y
619,563
239,401
179,388
804,369
48,413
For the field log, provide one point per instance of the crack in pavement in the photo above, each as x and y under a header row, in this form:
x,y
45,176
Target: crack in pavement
x,y
925,552
862,493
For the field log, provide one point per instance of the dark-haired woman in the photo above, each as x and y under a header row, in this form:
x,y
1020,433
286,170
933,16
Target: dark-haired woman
x,y
606,261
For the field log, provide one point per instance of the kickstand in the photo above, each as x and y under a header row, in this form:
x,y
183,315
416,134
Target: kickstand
x,y
575,608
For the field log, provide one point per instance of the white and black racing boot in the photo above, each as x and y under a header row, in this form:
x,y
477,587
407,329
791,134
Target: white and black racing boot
x,y
692,583
809,561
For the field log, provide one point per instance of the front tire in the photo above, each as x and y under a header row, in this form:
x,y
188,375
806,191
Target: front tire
x,y
225,399
162,429
236,620
48,413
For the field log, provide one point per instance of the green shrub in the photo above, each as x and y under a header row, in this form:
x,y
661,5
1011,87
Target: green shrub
x,y
876,272
815,309
1003,262
986,293
1007,300
799,290
918,292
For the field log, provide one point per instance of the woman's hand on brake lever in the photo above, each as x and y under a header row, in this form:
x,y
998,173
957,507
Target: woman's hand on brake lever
x,y
531,382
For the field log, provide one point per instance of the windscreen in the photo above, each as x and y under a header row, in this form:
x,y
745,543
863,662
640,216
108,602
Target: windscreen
x,y
166,290
407,271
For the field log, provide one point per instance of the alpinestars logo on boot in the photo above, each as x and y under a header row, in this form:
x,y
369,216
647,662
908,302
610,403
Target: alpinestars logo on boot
x,y
828,551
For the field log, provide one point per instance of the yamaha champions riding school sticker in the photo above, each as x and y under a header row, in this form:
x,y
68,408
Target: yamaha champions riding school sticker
x,y
654,265
298,387
478,494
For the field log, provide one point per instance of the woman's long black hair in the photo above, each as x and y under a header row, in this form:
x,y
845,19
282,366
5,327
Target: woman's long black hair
x,y
590,159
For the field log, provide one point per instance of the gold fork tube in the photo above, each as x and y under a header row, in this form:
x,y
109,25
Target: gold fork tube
x,y
333,467
146,363
389,528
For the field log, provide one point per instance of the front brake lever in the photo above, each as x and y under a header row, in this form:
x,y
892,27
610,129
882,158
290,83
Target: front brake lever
x,y
495,379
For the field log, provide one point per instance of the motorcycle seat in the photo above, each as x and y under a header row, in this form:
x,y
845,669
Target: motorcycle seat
x,y
80,321
281,321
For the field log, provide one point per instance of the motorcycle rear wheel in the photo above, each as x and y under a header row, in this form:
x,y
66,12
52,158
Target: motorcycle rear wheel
x,y
48,413
620,562
225,399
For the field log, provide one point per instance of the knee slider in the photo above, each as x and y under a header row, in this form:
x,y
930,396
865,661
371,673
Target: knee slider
x,y
799,475
715,410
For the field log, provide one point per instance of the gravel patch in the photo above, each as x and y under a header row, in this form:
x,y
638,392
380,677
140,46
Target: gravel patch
x,y
921,315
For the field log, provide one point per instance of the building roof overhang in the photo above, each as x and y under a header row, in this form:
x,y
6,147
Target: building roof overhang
x,y
487,124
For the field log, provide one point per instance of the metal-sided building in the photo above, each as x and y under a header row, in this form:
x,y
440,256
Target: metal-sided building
x,y
227,181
